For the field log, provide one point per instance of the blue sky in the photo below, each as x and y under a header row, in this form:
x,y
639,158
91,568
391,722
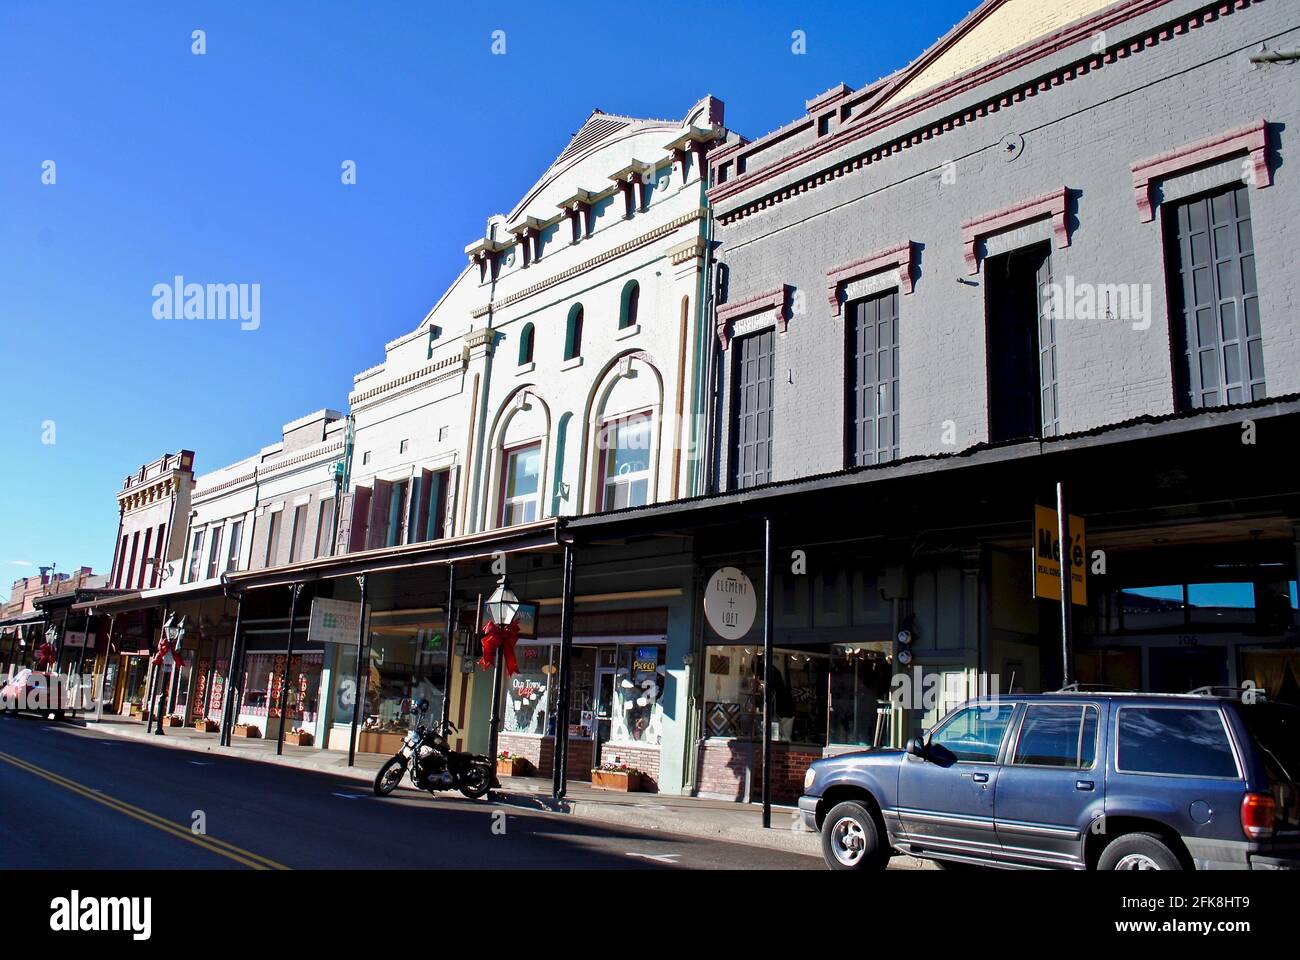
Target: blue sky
x,y
225,168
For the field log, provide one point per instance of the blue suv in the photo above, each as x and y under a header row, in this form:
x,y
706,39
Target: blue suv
x,y
1073,780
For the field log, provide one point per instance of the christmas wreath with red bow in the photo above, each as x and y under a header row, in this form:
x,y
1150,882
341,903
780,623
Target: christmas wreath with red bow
x,y
46,655
497,637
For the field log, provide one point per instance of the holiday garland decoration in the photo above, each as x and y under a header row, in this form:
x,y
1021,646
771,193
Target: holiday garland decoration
x,y
504,638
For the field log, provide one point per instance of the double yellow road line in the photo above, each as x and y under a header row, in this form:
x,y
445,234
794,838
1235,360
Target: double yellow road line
x,y
211,844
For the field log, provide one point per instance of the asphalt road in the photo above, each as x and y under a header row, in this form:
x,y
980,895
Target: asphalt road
x,y
71,798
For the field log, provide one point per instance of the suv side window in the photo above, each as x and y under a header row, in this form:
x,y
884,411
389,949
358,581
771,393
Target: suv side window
x,y
1057,735
1188,741
974,734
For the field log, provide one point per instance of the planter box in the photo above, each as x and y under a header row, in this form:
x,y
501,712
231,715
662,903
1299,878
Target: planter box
x,y
136,713
303,739
514,767
371,741
173,722
204,725
614,780
246,730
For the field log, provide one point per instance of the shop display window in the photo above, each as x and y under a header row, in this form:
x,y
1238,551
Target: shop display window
x,y
530,693
733,697
407,663
636,714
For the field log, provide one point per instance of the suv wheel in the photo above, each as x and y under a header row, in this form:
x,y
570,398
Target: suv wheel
x,y
850,839
1138,851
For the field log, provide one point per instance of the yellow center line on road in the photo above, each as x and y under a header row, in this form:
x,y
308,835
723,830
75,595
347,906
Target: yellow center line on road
x,y
211,844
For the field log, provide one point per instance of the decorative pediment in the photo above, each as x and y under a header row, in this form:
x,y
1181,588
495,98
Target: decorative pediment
x,y
1054,205
1251,140
899,257
992,30
776,302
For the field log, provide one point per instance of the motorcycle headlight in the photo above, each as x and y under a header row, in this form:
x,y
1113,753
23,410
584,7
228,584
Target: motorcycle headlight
x,y
808,779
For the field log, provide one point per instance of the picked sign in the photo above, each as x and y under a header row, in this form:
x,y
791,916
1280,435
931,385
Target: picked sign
x,y
1047,557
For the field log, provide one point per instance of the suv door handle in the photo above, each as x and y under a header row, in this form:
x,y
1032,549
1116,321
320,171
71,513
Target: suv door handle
x,y
980,777
1083,784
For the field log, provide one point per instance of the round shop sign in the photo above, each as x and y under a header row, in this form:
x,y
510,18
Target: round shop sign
x,y
730,603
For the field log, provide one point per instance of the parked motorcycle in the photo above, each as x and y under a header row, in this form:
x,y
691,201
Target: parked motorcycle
x,y
427,756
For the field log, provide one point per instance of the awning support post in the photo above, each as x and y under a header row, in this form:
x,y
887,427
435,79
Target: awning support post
x,y
228,715
295,592
357,701
560,746
768,668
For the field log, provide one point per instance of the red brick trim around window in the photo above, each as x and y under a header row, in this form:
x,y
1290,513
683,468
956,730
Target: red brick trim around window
x,y
1055,205
898,257
777,300
1252,139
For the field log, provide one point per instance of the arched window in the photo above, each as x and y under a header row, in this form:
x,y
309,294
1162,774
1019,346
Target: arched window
x,y
631,301
573,334
526,345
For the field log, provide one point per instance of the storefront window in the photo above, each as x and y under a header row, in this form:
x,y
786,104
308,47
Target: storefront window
x,y
860,682
263,690
530,692
733,698
637,712
407,663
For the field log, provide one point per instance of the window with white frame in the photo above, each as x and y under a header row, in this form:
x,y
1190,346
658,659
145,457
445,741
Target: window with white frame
x,y
196,557
521,470
233,543
625,461
214,551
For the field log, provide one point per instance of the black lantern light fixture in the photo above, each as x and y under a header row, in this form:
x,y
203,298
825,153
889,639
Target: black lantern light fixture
x,y
503,606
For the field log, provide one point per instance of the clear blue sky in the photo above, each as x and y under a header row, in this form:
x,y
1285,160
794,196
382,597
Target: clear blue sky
x,y
226,168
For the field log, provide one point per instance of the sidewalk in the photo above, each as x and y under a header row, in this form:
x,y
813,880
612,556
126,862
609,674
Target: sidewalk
x,y
688,816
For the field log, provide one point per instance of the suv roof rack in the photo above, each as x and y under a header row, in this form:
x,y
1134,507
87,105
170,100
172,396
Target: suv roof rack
x,y
1249,694
1077,687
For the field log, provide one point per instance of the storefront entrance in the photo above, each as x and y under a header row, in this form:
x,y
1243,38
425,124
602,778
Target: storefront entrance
x,y
132,681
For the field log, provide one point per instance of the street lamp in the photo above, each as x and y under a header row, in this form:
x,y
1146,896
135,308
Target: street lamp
x,y
503,606
173,634
502,609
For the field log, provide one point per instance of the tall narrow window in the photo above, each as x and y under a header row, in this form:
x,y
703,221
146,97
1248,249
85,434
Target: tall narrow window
x,y
145,565
233,544
130,570
526,345
573,333
631,304
324,527
520,476
1214,304
752,410
625,453
872,354
196,557
396,515
273,540
1021,345
121,563
298,532
214,552
436,527
159,548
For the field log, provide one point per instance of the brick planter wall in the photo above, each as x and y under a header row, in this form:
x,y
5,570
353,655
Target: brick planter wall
x,y
540,752
722,766
645,759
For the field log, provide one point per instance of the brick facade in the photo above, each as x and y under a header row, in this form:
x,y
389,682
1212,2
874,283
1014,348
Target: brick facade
x,y
723,765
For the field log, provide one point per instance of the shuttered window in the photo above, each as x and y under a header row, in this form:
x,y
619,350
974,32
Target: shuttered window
x,y
1215,304
872,354
752,410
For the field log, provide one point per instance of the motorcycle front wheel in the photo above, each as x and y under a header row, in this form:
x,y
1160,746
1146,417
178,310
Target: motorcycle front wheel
x,y
477,780
389,776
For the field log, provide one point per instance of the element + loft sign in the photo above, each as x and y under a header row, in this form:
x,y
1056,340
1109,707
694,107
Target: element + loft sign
x,y
730,603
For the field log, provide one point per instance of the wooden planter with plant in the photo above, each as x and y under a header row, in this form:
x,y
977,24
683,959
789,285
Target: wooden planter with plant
x,y
299,738
205,725
616,775
137,712
173,720
248,731
512,765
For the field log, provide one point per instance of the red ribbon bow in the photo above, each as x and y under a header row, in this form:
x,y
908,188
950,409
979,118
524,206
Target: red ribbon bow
x,y
165,648
504,638
46,656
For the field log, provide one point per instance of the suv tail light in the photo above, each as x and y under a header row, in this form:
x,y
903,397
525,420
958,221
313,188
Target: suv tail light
x,y
1257,811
